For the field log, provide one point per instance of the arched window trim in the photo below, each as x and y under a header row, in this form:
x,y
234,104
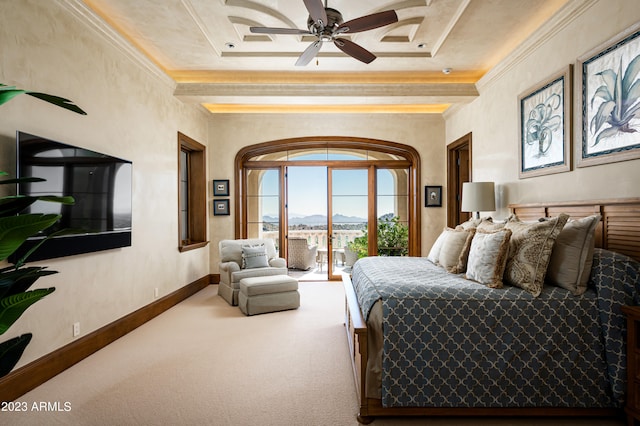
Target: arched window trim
x,y
332,142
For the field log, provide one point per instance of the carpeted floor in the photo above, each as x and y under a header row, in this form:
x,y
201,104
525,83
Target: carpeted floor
x,y
204,363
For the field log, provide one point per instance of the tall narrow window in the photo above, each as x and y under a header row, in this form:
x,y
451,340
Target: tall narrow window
x,y
192,207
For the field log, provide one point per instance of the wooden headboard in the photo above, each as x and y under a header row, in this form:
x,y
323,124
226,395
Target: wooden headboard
x,y
619,229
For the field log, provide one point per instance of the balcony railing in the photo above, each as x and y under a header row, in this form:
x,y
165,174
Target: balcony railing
x,y
317,237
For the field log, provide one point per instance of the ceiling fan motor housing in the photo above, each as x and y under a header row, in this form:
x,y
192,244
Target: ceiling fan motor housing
x,y
326,32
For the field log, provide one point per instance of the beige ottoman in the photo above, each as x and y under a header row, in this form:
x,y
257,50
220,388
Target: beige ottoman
x,y
259,295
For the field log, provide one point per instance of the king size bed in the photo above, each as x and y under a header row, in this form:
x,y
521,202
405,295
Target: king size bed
x,y
427,338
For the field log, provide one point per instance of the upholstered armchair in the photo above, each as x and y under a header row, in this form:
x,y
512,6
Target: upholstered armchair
x,y
243,259
301,255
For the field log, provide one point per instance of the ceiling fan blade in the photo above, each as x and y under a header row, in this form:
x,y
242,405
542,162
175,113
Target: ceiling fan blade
x,y
368,22
316,11
354,50
309,53
267,30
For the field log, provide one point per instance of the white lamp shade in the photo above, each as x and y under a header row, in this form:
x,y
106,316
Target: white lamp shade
x,y
478,197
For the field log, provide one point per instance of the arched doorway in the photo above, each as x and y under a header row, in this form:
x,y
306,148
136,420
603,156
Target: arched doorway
x,y
369,191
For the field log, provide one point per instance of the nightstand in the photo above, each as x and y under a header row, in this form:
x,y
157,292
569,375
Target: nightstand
x,y
633,364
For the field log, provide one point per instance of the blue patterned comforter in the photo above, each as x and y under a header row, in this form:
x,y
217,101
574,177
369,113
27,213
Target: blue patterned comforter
x,y
450,342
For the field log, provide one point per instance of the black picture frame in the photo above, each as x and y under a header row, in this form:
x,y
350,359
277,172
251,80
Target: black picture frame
x,y
433,196
221,207
221,187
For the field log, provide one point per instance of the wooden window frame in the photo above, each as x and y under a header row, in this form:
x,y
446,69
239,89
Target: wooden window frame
x,y
197,197
412,162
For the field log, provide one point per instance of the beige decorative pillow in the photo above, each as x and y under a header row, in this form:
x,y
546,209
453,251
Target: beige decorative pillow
x,y
572,255
488,257
471,223
490,225
455,250
530,250
434,253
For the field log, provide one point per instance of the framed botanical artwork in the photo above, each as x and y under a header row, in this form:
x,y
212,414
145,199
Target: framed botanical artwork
x,y
609,115
221,188
221,207
433,196
545,126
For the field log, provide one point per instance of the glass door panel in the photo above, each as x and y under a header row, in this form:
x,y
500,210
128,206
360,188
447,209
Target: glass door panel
x,y
392,211
307,218
349,218
263,204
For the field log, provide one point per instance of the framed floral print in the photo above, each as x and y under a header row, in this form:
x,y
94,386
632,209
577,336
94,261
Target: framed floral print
x,y
545,126
609,116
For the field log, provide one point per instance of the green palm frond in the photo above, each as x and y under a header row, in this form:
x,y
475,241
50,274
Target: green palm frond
x,y
17,280
11,351
12,205
9,92
19,180
12,307
14,230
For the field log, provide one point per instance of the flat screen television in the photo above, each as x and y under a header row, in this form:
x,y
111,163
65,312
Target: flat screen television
x,y
100,218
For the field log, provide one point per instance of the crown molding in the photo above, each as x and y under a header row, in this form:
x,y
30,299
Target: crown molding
x,y
325,109
87,16
569,12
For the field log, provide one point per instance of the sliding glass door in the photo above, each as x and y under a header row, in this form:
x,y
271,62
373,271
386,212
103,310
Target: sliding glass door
x,y
306,205
392,212
348,197
263,204
348,218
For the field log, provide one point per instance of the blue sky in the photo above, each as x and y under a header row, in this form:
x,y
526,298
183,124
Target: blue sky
x,y
308,191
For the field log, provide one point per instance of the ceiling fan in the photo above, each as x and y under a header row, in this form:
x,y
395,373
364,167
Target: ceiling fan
x,y
327,25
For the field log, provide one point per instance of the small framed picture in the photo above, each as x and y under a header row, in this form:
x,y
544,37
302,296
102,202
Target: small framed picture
x,y
433,196
221,207
221,188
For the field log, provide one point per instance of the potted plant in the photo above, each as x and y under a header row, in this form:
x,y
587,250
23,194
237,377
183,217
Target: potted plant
x,y
393,237
15,228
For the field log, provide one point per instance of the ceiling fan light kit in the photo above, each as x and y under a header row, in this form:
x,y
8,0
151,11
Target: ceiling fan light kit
x,y
327,25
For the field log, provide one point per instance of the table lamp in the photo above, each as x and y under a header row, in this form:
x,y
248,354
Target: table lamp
x,y
478,197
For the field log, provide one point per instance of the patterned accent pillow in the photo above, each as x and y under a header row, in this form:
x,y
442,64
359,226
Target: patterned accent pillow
x,y
434,253
488,257
254,257
530,251
455,250
572,255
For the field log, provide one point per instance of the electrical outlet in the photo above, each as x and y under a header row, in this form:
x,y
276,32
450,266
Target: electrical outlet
x,y
76,329
156,292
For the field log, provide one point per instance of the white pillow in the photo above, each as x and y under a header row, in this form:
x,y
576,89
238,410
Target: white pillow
x,y
572,255
434,253
488,257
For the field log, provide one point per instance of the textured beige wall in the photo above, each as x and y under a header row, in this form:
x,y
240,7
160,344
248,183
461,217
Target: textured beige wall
x,y
493,118
229,133
131,114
